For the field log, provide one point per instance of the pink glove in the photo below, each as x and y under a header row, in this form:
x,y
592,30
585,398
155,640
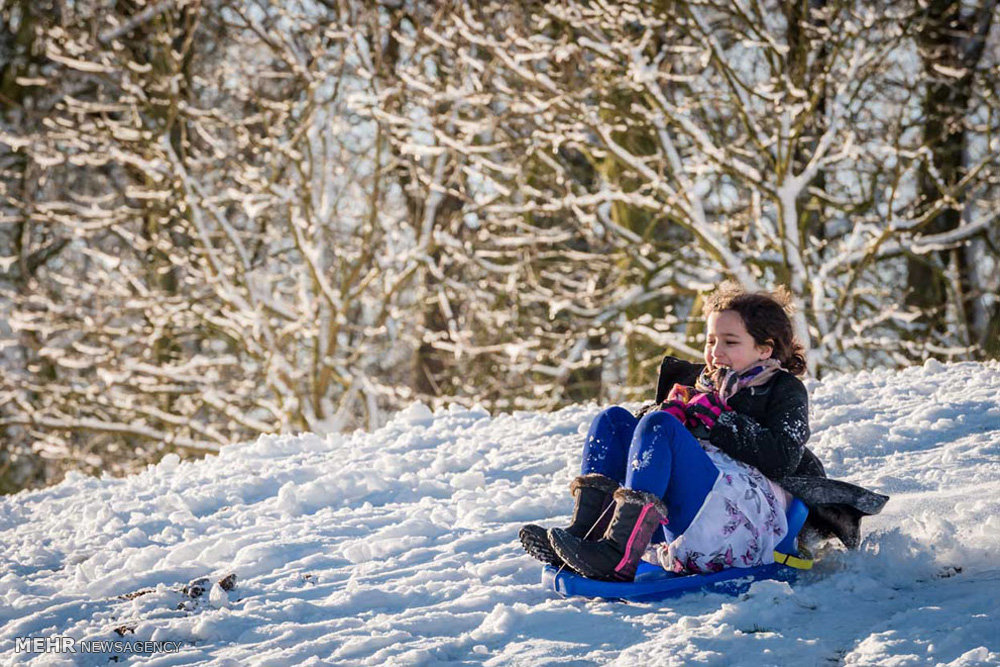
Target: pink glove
x,y
676,408
705,409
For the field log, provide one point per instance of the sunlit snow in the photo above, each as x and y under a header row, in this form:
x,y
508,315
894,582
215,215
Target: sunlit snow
x,y
399,547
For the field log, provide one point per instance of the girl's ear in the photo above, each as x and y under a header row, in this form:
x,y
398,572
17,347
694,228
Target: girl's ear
x,y
767,349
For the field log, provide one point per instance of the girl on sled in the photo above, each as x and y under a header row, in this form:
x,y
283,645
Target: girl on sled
x,y
706,472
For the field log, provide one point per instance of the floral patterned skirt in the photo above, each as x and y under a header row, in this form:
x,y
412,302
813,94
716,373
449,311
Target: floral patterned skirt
x,y
738,525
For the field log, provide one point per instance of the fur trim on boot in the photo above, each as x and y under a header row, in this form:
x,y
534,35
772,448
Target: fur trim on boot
x,y
594,480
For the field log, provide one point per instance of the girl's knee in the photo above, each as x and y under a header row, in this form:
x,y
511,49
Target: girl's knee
x,y
616,413
658,421
618,418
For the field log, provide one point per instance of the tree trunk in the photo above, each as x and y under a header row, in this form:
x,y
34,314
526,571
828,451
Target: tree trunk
x,y
804,18
430,372
951,43
991,338
20,467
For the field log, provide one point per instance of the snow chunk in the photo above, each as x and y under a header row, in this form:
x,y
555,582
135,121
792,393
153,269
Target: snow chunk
x,y
169,463
500,621
218,596
932,366
415,413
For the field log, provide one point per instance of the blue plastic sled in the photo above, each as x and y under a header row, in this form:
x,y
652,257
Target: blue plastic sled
x,y
653,583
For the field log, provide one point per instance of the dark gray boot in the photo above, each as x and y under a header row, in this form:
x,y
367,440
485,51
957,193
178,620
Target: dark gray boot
x,y
592,513
616,555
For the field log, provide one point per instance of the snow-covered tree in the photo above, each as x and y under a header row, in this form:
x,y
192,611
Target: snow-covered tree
x,y
206,244
226,218
769,142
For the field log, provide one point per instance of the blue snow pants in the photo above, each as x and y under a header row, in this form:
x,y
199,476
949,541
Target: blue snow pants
x,y
656,454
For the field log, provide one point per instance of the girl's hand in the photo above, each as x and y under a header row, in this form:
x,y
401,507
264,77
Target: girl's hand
x,y
676,408
705,409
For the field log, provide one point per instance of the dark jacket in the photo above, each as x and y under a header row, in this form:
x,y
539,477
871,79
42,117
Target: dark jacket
x,y
768,429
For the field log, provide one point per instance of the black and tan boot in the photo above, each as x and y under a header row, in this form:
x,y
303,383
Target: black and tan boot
x,y
616,555
594,495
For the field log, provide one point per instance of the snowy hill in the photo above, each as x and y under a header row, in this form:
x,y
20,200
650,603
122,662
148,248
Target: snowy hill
x,y
399,547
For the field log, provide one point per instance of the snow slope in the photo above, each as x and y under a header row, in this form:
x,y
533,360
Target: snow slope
x,y
399,547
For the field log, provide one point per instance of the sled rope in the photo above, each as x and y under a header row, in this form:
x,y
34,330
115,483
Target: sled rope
x,y
589,531
599,519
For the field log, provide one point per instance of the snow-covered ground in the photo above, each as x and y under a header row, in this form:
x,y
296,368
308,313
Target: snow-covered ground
x,y
400,547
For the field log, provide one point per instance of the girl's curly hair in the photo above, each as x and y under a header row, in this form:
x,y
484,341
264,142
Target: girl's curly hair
x,y
766,317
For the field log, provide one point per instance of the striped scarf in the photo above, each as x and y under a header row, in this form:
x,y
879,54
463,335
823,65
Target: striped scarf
x,y
727,383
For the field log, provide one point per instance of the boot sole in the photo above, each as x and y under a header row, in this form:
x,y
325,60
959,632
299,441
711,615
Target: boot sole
x,y
535,541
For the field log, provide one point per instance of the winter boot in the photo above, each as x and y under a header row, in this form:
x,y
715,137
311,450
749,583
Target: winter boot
x,y
591,516
616,556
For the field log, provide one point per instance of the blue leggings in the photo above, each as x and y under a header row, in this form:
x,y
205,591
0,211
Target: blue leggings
x,y
656,454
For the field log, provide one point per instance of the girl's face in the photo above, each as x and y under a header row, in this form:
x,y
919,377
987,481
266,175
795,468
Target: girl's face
x,y
729,344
